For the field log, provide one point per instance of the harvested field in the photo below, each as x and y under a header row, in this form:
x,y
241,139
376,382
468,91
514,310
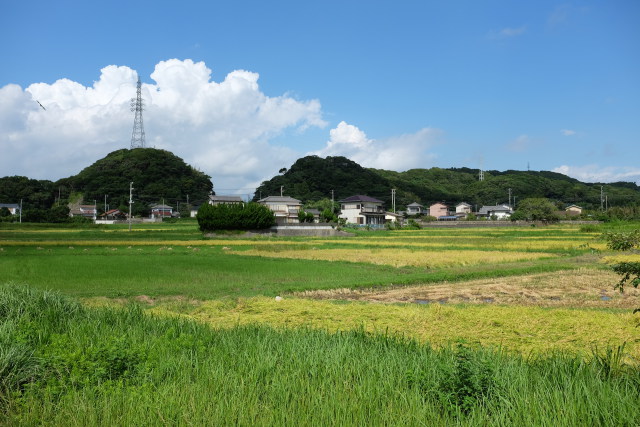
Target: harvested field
x,y
580,288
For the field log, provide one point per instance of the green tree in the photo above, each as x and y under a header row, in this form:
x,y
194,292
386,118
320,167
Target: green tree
x,y
250,216
537,209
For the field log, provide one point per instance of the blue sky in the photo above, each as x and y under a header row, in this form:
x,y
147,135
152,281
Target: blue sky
x,y
241,89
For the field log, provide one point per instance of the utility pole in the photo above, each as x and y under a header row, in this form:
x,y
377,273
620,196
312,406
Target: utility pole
x,y
105,203
281,188
20,211
95,210
130,202
332,202
509,197
601,198
393,199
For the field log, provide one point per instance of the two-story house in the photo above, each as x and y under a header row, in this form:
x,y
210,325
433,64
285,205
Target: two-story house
x,y
438,209
285,208
362,210
415,209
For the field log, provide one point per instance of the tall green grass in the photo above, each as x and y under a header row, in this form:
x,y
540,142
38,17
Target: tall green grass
x,y
110,366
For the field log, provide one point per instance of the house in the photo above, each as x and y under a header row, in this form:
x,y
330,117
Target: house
x,y
573,210
13,208
438,209
113,214
393,217
285,208
415,209
499,211
161,211
362,210
225,200
86,211
463,208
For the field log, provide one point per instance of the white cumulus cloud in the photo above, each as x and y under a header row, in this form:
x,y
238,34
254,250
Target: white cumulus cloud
x,y
567,132
595,173
397,153
224,128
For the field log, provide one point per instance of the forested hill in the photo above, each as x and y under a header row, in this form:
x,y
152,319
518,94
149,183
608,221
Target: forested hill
x,y
312,178
156,175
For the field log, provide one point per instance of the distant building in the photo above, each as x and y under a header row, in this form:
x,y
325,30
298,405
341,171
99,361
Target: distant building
x,y
113,214
415,209
499,211
161,211
573,210
362,210
438,209
86,211
225,200
463,208
285,208
13,208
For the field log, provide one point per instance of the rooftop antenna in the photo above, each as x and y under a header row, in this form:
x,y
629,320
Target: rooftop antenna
x,y
137,105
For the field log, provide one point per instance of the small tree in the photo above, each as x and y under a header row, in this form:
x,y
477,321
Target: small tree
x,y
630,271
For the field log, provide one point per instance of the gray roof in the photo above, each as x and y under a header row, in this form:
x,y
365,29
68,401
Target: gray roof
x,y
463,204
360,198
279,199
9,205
415,205
161,207
499,208
225,198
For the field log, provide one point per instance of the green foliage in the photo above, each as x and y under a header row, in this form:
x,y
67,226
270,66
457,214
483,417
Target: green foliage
x,y
156,174
312,178
328,215
305,216
249,216
412,224
537,209
622,241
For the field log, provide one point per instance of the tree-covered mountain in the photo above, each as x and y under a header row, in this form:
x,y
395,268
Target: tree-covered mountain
x,y
312,178
157,175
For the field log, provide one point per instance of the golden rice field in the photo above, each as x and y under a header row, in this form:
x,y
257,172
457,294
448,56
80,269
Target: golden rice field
x,y
397,257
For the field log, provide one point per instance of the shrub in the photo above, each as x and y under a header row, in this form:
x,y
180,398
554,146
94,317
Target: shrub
x,y
250,216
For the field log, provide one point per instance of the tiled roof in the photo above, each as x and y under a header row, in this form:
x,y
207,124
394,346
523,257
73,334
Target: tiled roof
x,y
360,198
279,199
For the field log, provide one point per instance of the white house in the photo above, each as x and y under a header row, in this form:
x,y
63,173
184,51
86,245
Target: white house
x,y
499,211
463,208
415,209
362,210
285,208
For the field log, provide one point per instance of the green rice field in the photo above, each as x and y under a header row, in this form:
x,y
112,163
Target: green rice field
x,y
439,326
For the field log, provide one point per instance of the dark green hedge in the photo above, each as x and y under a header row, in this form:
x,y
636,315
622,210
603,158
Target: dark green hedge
x,y
247,216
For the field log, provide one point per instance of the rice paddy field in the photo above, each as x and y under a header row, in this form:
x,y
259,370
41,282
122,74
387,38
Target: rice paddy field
x,y
452,326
